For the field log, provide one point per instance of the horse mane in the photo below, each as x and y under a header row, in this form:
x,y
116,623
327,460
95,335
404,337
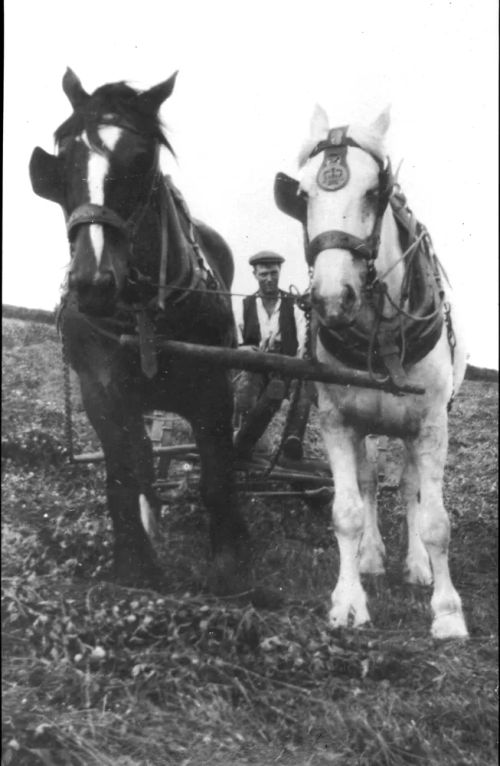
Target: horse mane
x,y
364,135
119,100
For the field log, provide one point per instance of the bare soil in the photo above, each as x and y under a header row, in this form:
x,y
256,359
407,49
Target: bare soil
x,y
94,674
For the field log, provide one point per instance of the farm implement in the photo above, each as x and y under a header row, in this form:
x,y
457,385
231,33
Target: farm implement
x,y
272,475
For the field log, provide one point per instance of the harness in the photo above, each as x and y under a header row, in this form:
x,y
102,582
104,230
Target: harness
x,y
333,175
407,337
89,212
177,230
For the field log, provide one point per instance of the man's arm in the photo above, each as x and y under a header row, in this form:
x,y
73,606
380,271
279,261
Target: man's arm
x,y
301,325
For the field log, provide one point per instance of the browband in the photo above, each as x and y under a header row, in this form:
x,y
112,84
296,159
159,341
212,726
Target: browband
x,y
337,137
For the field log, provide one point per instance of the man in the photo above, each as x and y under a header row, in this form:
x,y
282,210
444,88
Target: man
x,y
270,321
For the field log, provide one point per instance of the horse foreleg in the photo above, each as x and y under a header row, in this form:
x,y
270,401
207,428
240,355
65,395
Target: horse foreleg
x,y
129,475
372,552
428,452
348,597
229,535
418,566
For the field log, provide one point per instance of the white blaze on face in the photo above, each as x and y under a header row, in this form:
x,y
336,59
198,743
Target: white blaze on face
x,y
346,210
97,171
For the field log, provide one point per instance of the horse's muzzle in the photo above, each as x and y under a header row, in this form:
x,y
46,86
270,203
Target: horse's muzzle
x,y
335,311
97,295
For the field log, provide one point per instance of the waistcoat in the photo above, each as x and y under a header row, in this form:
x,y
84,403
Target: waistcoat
x,y
288,329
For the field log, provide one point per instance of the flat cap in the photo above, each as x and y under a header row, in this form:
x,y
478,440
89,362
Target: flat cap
x,y
265,256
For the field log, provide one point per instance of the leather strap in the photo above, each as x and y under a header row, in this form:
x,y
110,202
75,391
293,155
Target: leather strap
x,y
338,137
90,213
147,348
340,240
162,278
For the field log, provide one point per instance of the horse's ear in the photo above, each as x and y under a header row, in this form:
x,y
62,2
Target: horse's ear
x,y
74,89
319,123
46,174
152,99
381,124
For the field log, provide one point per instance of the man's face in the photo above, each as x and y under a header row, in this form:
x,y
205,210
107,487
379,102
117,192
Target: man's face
x,y
267,275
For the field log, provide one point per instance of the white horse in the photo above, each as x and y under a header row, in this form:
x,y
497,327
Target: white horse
x,y
378,298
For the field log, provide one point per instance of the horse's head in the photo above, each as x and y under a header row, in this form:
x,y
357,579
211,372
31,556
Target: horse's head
x,y
346,183
102,175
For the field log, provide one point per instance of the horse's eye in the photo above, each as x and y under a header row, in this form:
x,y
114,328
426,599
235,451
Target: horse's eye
x,y
372,196
62,145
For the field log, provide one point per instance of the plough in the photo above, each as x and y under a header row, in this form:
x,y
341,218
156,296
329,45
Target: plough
x,y
257,475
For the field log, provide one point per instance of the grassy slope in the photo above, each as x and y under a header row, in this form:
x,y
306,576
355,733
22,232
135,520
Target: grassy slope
x,y
94,674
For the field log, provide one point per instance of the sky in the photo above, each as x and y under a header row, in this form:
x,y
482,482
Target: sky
x,y
249,77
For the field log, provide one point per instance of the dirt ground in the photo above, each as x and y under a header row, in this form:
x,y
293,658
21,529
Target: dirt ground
x,y
97,674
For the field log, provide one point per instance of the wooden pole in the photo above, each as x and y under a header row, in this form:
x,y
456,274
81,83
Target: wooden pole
x,y
173,451
258,361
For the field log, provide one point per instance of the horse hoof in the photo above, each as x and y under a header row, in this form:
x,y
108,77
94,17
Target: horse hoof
x,y
451,625
349,607
138,575
228,575
266,598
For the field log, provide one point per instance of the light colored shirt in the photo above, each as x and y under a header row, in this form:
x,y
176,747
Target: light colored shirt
x,y
269,325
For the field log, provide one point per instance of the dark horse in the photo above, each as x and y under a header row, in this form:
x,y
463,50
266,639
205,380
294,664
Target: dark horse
x,y
139,265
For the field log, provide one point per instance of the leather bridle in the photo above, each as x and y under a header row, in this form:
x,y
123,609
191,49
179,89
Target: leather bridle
x,y
336,144
90,213
409,335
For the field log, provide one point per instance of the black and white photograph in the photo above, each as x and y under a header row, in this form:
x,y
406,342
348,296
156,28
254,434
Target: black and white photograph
x,y
250,383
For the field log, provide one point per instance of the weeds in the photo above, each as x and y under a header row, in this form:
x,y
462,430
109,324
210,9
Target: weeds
x,y
96,674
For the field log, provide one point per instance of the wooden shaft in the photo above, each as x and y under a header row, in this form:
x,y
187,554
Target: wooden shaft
x,y
258,361
174,451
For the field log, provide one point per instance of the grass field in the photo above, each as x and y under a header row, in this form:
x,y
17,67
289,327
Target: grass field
x,y
96,675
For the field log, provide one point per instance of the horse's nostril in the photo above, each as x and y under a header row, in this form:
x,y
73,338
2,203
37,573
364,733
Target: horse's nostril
x,y
104,280
348,297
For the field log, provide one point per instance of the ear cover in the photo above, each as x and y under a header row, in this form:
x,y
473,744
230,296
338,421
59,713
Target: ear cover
x,y
152,99
46,174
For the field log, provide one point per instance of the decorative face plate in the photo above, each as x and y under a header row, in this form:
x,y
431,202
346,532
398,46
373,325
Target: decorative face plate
x,y
334,173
